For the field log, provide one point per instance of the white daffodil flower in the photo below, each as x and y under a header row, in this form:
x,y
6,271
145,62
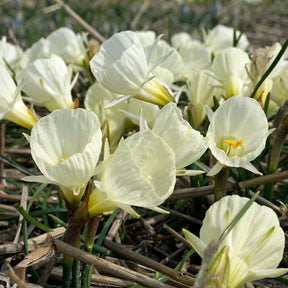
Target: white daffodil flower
x,y
136,108
65,146
68,45
259,64
201,89
9,54
237,133
97,97
39,49
221,37
47,83
122,67
229,69
171,69
195,56
12,106
256,243
147,38
279,92
188,144
141,173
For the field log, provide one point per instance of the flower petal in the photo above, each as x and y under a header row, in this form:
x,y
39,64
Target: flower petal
x,y
196,242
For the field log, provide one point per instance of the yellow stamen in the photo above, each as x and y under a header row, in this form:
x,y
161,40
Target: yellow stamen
x,y
149,177
233,144
63,159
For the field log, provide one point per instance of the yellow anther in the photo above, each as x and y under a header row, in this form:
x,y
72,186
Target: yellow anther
x,y
230,143
239,143
63,159
233,144
149,177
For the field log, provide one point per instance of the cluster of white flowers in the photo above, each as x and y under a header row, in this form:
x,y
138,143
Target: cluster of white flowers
x,y
141,83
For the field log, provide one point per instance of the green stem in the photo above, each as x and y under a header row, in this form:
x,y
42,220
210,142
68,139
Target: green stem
x,y
268,191
220,186
67,270
71,237
91,229
76,221
76,278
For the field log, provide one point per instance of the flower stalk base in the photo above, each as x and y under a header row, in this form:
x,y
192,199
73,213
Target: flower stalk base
x,y
220,185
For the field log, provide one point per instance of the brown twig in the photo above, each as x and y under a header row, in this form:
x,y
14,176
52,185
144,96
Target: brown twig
x,y
23,203
139,14
96,279
209,190
266,202
262,180
16,279
120,218
178,236
147,262
33,243
81,21
184,216
105,266
17,151
9,208
173,255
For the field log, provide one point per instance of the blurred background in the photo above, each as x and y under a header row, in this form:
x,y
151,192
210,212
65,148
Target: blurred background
x,y
264,22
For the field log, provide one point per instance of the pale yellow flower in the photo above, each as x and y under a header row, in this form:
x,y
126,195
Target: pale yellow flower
x,y
237,133
122,67
201,90
279,92
10,54
68,45
195,56
12,106
187,143
65,146
260,62
141,173
47,83
39,49
256,243
229,69
221,37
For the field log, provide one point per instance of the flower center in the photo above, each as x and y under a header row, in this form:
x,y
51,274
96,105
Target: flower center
x,y
233,144
233,148
63,159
